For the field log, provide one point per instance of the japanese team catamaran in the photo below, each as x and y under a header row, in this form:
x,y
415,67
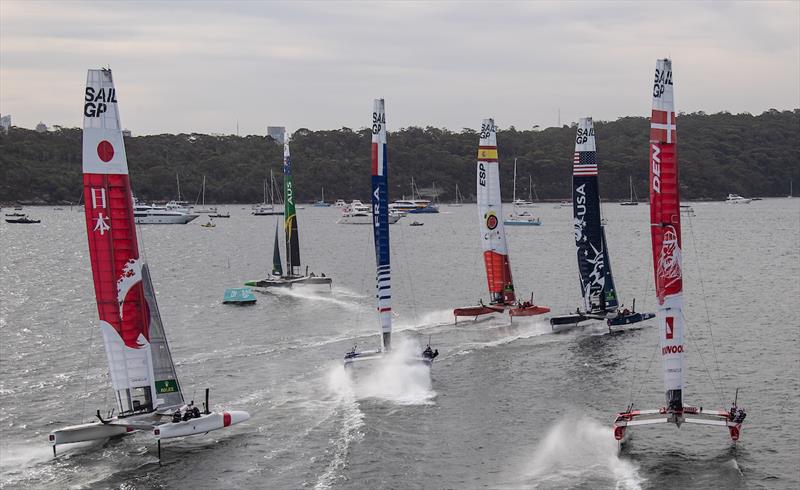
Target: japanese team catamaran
x,y
294,276
493,236
380,228
143,376
665,231
600,301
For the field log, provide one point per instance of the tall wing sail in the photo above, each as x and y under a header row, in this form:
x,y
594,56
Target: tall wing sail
x,y
289,216
277,268
380,220
597,284
124,307
665,229
490,217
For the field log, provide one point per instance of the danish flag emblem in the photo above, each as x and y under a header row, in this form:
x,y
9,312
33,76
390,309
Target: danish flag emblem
x,y
670,327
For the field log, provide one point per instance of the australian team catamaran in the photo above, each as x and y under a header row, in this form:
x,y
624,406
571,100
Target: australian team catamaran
x,y
600,301
143,376
294,276
665,231
493,236
380,228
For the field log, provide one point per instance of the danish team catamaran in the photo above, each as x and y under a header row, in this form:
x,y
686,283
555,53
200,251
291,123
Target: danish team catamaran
x,y
380,228
293,276
493,236
600,300
149,396
665,231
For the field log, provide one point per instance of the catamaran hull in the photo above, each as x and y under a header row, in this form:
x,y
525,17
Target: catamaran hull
x,y
321,283
204,423
522,222
372,357
475,311
563,322
628,319
88,432
690,415
530,310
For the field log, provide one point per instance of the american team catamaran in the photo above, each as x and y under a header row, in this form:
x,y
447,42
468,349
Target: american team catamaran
x,y
665,231
380,228
493,236
600,301
293,277
148,394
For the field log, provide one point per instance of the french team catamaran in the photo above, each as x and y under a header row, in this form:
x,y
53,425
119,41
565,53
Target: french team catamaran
x,y
293,277
600,301
665,231
143,376
380,228
493,236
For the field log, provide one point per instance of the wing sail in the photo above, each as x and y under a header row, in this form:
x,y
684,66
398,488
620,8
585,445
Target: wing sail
x,y
380,220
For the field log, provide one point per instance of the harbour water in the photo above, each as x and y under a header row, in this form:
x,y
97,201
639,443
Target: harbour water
x,y
507,405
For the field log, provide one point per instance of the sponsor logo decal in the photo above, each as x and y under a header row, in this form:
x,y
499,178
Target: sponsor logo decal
x,y
669,260
96,101
670,327
672,349
491,220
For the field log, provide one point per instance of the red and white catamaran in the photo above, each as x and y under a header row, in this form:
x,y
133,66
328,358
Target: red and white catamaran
x,y
493,236
148,394
665,230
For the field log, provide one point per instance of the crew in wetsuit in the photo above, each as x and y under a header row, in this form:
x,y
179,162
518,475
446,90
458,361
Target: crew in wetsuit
x,y
430,353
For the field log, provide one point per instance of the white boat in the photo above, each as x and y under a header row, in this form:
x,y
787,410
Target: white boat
x,y
357,213
203,209
634,199
148,394
517,218
146,214
665,230
380,202
459,199
737,199
268,209
321,203
339,203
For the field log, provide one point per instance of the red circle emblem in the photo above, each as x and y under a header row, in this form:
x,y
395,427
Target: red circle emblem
x,y
105,151
491,222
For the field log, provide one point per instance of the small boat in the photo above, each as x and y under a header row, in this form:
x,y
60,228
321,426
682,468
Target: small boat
x,y
416,223
687,210
634,199
210,224
220,215
339,203
146,214
665,230
15,214
147,392
239,296
493,236
459,199
517,218
357,213
600,299
265,209
293,276
380,202
203,209
737,199
321,203
23,220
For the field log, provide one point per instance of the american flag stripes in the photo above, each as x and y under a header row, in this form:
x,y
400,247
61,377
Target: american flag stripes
x,y
584,163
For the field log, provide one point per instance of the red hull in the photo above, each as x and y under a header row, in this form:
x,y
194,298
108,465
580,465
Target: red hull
x,y
479,310
528,310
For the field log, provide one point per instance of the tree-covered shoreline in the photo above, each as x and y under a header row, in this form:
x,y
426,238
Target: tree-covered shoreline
x,y
719,154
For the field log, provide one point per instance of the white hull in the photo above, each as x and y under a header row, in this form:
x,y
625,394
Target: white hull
x,y
200,425
364,219
164,219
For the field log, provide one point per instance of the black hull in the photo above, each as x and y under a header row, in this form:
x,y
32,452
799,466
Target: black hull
x,y
631,318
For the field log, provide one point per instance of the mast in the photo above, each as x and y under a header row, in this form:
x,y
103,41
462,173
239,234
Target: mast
x,y
597,284
178,182
142,372
514,192
289,216
380,219
665,229
490,217
204,192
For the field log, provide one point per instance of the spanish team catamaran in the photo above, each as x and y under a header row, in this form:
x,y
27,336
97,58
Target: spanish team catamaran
x,y
380,228
600,300
143,376
665,231
294,276
493,236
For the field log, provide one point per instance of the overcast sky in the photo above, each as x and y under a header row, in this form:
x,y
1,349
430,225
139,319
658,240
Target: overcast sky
x,y
203,66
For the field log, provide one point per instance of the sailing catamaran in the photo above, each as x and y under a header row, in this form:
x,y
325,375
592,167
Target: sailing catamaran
x,y
143,375
600,300
665,231
293,276
380,206
493,236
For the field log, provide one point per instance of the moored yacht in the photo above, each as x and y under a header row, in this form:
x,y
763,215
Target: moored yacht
x,y
146,214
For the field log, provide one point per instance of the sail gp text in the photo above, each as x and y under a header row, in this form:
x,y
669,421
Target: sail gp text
x,y
97,101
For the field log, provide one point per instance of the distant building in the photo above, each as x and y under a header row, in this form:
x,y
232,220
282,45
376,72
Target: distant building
x,y
41,127
5,123
126,133
277,133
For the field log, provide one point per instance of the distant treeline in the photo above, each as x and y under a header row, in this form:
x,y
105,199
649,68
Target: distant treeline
x,y
719,154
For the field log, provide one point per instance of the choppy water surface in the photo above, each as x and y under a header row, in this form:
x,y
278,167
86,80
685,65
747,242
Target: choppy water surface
x,y
507,406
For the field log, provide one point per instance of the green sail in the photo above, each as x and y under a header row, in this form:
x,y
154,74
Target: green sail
x,y
289,217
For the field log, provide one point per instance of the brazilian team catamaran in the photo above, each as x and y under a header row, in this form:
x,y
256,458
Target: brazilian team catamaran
x,y
143,376
380,228
493,236
665,231
294,276
600,301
